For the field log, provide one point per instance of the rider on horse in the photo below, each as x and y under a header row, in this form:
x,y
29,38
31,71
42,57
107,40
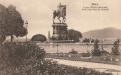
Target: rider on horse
x,y
60,13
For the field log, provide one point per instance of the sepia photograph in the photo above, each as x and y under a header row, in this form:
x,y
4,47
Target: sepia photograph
x,y
60,37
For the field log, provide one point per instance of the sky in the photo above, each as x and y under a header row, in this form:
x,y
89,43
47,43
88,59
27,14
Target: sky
x,y
38,13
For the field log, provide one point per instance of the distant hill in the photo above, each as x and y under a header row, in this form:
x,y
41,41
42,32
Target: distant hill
x,y
110,32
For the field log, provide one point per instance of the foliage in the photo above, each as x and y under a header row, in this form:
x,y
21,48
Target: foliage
x,y
12,22
115,48
73,52
3,18
88,40
74,35
39,37
2,38
29,59
85,54
20,32
92,41
104,52
22,58
52,68
96,50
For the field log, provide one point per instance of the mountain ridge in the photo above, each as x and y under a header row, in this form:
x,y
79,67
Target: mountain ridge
x,y
109,32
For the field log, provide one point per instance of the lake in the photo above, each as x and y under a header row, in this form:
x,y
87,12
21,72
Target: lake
x,y
67,47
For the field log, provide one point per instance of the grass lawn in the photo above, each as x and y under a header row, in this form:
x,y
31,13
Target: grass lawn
x,y
114,60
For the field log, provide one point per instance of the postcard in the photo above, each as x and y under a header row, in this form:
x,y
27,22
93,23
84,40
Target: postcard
x,y
60,37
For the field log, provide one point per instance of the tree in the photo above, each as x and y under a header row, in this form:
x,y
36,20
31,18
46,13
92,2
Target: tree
x,y
20,32
115,48
39,37
3,24
74,35
96,51
12,22
15,22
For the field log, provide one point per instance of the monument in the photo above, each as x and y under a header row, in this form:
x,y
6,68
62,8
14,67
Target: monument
x,y
59,27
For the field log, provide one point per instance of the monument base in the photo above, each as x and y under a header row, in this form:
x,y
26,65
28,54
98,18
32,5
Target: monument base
x,y
60,31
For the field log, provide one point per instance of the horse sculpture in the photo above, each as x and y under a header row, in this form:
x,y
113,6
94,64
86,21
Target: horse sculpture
x,y
60,13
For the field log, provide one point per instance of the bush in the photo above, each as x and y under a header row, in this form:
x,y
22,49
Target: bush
x,y
104,52
39,37
115,48
86,54
54,69
29,59
73,52
86,40
20,57
96,50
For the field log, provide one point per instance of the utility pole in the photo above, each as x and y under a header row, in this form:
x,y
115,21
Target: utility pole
x,y
102,45
26,25
57,44
49,36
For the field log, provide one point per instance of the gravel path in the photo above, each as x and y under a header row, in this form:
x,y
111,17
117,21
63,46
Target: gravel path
x,y
97,66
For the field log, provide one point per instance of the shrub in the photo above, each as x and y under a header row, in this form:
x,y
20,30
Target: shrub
x,y
28,59
20,57
73,52
86,40
96,50
39,37
85,54
54,69
115,48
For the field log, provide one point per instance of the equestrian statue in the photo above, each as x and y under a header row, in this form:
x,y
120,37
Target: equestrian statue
x,y
60,13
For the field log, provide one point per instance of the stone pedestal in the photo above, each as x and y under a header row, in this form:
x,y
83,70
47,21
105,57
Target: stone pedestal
x,y
59,31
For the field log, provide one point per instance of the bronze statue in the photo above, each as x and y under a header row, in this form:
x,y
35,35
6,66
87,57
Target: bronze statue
x,y
60,13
